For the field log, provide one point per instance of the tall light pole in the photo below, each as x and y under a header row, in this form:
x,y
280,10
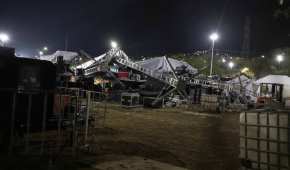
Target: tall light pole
x,y
3,39
213,37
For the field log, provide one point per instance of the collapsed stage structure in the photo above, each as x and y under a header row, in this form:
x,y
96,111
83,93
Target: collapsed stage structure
x,y
152,82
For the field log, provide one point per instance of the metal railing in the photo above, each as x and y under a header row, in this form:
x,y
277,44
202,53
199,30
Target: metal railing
x,y
49,122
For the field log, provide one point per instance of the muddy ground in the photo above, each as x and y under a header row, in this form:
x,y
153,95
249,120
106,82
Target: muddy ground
x,y
174,136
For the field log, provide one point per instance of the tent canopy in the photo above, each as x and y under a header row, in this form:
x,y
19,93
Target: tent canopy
x,y
274,79
68,56
236,80
160,64
248,84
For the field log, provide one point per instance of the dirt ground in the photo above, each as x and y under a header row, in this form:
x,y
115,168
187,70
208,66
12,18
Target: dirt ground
x,y
174,136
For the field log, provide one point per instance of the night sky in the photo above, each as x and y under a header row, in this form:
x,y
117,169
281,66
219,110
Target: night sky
x,y
142,27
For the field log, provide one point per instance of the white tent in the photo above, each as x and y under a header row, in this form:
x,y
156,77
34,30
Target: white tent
x,y
248,84
160,64
236,80
277,79
68,56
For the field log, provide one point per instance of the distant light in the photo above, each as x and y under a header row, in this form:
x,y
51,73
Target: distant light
x,y
40,53
279,58
114,44
45,48
244,70
4,38
263,56
214,36
231,64
224,60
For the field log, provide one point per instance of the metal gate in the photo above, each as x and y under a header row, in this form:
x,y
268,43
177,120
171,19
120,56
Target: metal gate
x,y
265,139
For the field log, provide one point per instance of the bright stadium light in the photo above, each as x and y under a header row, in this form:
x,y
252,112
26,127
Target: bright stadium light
x,y
4,38
231,64
224,60
114,44
45,48
214,36
40,53
279,58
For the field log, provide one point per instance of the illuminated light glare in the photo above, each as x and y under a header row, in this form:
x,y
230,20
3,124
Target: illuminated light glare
x,y
231,64
214,36
45,48
244,70
263,56
4,38
279,58
114,44
224,60
40,52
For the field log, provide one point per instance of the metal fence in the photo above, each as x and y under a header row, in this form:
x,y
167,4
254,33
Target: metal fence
x,y
56,122
265,139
